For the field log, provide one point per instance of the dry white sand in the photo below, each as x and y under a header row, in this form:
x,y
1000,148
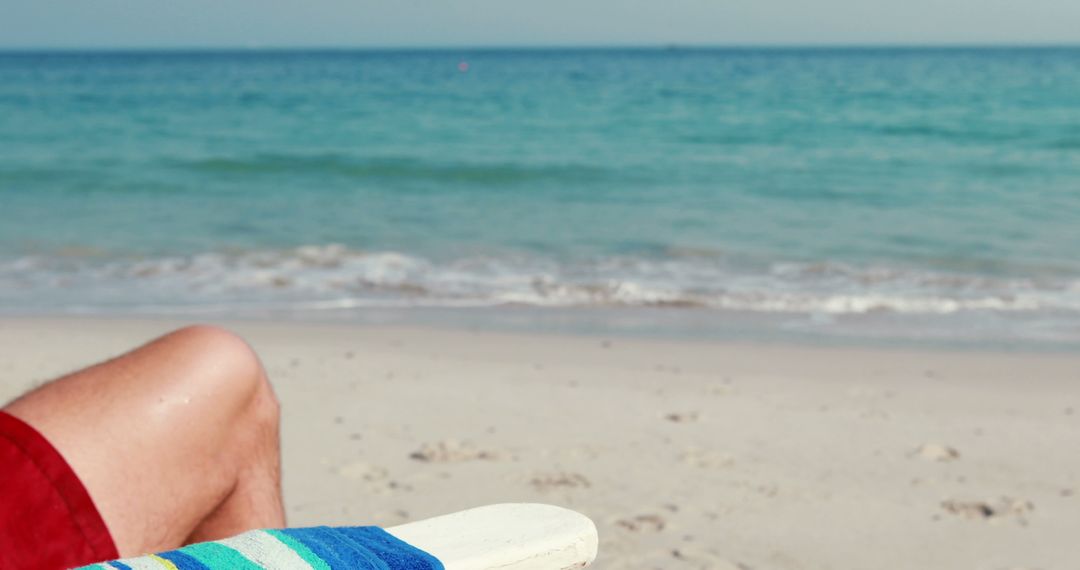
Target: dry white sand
x,y
686,454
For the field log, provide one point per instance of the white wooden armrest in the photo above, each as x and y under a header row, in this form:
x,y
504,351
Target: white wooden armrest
x,y
510,536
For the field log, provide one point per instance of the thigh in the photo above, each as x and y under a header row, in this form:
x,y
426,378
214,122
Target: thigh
x,y
148,433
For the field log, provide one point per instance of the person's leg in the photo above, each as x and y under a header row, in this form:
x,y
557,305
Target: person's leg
x,y
176,441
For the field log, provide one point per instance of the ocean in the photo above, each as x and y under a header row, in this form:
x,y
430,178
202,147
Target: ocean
x,y
880,195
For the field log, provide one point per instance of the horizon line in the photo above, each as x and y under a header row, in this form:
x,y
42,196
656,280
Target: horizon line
x,y
672,46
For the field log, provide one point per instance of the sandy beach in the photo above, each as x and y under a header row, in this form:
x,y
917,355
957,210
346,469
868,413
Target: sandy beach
x,y
686,454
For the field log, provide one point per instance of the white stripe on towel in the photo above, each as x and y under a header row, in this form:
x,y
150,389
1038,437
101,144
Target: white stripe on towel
x,y
266,550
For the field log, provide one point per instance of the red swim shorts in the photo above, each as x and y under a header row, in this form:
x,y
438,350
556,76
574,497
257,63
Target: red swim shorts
x,y
47,519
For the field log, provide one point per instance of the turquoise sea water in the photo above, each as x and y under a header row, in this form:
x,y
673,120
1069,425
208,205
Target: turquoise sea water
x,y
885,193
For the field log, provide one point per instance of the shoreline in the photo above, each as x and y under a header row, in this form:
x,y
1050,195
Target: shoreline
x,y
686,453
660,324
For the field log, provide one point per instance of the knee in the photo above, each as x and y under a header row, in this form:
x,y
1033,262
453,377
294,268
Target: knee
x,y
230,364
217,348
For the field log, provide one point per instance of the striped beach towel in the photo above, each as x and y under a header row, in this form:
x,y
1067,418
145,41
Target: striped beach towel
x,y
316,548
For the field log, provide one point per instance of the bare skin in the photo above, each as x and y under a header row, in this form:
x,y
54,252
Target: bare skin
x,y
176,441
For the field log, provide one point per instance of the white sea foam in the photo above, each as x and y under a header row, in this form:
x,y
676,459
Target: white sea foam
x,y
333,277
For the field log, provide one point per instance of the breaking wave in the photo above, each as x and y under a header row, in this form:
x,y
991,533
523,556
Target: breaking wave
x,y
330,277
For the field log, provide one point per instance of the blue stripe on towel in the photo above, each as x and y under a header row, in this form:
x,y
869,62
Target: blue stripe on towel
x,y
183,560
390,549
322,540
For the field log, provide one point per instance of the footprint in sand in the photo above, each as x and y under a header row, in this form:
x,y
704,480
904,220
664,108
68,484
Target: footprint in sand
x,y
1003,508
451,451
643,523
937,452
705,458
551,481
682,417
377,478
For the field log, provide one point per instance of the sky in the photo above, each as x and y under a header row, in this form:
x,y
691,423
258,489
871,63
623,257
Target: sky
x,y
458,23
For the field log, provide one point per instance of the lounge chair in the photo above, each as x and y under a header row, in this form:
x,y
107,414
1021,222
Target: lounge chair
x,y
509,536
